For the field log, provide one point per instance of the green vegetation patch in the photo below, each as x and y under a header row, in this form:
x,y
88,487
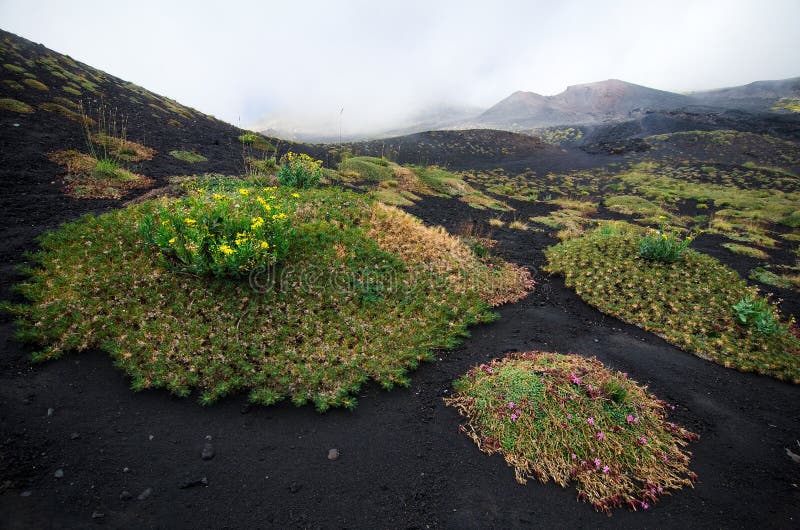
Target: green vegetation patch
x,y
362,292
688,303
33,83
14,68
255,141
790,104
744,250
10,83
568,419
121,148
92,178
767,277
69,114
448,184
14,105
366,168
69,90
188,156
636,206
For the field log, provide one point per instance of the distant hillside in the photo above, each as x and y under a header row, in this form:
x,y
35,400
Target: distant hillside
x,y
757,96
579,104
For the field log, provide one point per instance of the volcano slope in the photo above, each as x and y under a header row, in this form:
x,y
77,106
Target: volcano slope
x,y
80,448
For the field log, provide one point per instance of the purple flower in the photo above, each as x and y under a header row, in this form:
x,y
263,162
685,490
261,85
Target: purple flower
x,y
511,404
597,462
574,379
645,506
600,435
574,456
590,421
643,440
606,469
569,416
666,458
514,416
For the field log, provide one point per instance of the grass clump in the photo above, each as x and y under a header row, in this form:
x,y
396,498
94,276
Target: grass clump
x,y
688,304
665,246
10,83
121,148
69,114
445,183
69,90
767,277
568,419
92,178
14,105
188,156
14,68
256,141
744,250
299,170
33,83
362,292
637,206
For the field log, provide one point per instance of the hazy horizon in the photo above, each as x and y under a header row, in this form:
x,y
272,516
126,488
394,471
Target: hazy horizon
x,y
247,62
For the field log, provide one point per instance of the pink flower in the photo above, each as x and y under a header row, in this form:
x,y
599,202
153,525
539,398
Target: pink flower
x,y
645,506
590,421
606,469
600,435
514,416
574,379
511,404
597,462
569,416
643,440
574,456
660,489
630,418
666,458
590,387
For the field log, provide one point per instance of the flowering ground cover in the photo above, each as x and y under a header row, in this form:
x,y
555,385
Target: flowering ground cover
x,y
568,419
282,293
689,302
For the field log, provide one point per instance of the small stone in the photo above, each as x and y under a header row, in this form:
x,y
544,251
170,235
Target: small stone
x,y
192,483
150,437
74,436
208,451
333,454
59,473
126,469
125,495
145,494
26,493
294,487
50,412
97,515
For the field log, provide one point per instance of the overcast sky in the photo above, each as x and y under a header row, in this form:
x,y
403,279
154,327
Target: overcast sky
x,y
302,61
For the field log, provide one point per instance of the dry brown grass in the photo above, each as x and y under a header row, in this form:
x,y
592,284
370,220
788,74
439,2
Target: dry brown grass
x,y
434,249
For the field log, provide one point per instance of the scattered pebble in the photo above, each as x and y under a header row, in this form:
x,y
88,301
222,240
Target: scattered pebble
x,y
26,493
97,515
150,438
74,436
125,495
126,469
192,483
50,412
294,487
208,451
59,473
145,494
333,454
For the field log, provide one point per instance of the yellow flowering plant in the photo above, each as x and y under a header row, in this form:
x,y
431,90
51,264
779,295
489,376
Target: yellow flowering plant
x,y
221,234
299,170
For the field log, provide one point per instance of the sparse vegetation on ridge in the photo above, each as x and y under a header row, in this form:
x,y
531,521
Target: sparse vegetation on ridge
x,y
568,419
188,156
15,105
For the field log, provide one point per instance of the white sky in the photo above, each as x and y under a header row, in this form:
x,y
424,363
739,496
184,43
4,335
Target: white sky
x,y
382,61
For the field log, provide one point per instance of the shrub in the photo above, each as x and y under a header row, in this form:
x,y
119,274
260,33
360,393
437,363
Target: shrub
x,y
663,246
568,419
756,313
256,167
256,141
90,178
299,171
220,234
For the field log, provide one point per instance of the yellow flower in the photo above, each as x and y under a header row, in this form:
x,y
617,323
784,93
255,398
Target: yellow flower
x,y
257,223
279,216
189,221
172,241
218,196
244,191
296,195
225,249
264,245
